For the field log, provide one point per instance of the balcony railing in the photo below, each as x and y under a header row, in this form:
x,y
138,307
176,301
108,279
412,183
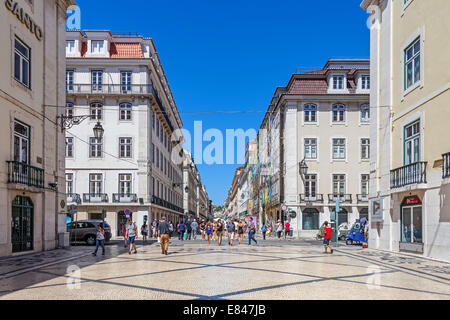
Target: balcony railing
x,y
125,89
124,197
410,174
446,165
166,204
363,197
341,197
318,197
73,198
22,173
95,197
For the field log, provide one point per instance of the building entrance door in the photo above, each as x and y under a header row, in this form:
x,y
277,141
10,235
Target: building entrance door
x,y
121,220
22,224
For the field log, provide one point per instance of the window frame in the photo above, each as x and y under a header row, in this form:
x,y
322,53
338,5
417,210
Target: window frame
x,y
128,111
338,112
21,138
98,108
362,108
412,61
308,110
412,138
344,145
365,146
22,58
97,143
128,147
310,147
72,146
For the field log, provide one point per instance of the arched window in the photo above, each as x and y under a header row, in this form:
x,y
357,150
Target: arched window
x,y
69,109
310,219
310,112
96,111
125,111
365,113
338,113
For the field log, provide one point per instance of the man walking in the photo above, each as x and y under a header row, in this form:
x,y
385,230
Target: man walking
x,y
327,237
163,233
264,230
230,232
194,227
131,235
188,229
100,240
251,232
124,234
181,228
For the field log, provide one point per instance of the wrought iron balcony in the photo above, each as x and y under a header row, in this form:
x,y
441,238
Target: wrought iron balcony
x,y
318,197
125,89
166,204
410,174
341,197
73,198
22,173
446,165
95,197
363,197
124,197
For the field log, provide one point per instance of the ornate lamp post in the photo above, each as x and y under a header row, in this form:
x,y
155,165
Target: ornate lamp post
x,y
68,122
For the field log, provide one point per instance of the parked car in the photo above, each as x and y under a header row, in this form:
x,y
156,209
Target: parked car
x,y
343,231
86,231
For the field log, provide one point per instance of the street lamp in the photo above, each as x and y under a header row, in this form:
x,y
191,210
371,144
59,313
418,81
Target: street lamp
x,y
303,168
186,189
98,131
68,122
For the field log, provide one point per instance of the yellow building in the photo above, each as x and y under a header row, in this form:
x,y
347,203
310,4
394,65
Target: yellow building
x,y
410,162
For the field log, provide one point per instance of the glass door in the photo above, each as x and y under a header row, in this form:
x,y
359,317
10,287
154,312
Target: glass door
x,y
22,224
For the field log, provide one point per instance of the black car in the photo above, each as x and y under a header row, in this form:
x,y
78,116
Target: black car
x,y
86,231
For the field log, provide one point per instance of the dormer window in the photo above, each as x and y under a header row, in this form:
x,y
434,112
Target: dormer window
x,y
96,46
338,82
365,82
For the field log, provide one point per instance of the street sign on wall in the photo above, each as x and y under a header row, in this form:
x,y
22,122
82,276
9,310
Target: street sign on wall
x,y
376,210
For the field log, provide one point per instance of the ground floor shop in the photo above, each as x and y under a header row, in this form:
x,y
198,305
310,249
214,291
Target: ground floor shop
x,y
415,221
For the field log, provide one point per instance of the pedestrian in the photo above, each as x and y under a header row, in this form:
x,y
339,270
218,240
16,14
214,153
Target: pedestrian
x,y
251,227
194,227
366,234
132,235
144,232
202,229
287,229
163,233
240,231
154,233
100,240
209,231
279,229
236,222
181,229
170,229
188,229
327,237
230,232
124,234
264,230
219,231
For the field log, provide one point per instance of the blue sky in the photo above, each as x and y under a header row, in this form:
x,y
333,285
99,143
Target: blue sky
x,y
231,55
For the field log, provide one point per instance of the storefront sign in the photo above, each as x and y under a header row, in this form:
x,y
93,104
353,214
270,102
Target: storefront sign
x,y
23,17
411,201
376,210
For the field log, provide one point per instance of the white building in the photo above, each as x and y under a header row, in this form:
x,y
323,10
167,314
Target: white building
x,y
32,200
119,82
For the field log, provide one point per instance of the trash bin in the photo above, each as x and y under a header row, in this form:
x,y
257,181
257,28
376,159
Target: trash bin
x,y
291,233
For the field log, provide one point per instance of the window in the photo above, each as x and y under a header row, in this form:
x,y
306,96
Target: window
x,y
364,184
338,184
97,81
125,147
161,161
411,224
412,64
69,110
125,111
95,183
310,113
338,113
365,82
338,148
95,148
412,143
338,82
124,183
69,147
310,219
161,133
157,128
153,120
365,149
69,183
22,61
21,142
310,148
157,158
153,153
310,185
70,46
125,81
365,113
96,111
69,80
97,46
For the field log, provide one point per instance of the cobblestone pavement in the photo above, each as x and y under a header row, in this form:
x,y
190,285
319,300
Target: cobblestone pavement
x,y
285,270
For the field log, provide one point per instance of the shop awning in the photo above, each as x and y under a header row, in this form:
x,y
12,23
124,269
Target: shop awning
x,y
243,213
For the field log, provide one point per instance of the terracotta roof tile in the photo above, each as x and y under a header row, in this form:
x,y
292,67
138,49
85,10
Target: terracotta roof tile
x,y
307,86
126,50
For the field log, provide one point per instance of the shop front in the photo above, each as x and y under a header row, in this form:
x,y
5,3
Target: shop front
x,y
411,227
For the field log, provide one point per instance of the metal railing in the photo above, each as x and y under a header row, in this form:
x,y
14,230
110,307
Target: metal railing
x,y
124,197
22,173
342,197
363,197
126,89
409,174
166,204
318,197
446,165
73,198
95,197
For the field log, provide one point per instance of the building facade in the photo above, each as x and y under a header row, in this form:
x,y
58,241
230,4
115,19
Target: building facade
x,y
409,181
32,199
135,170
